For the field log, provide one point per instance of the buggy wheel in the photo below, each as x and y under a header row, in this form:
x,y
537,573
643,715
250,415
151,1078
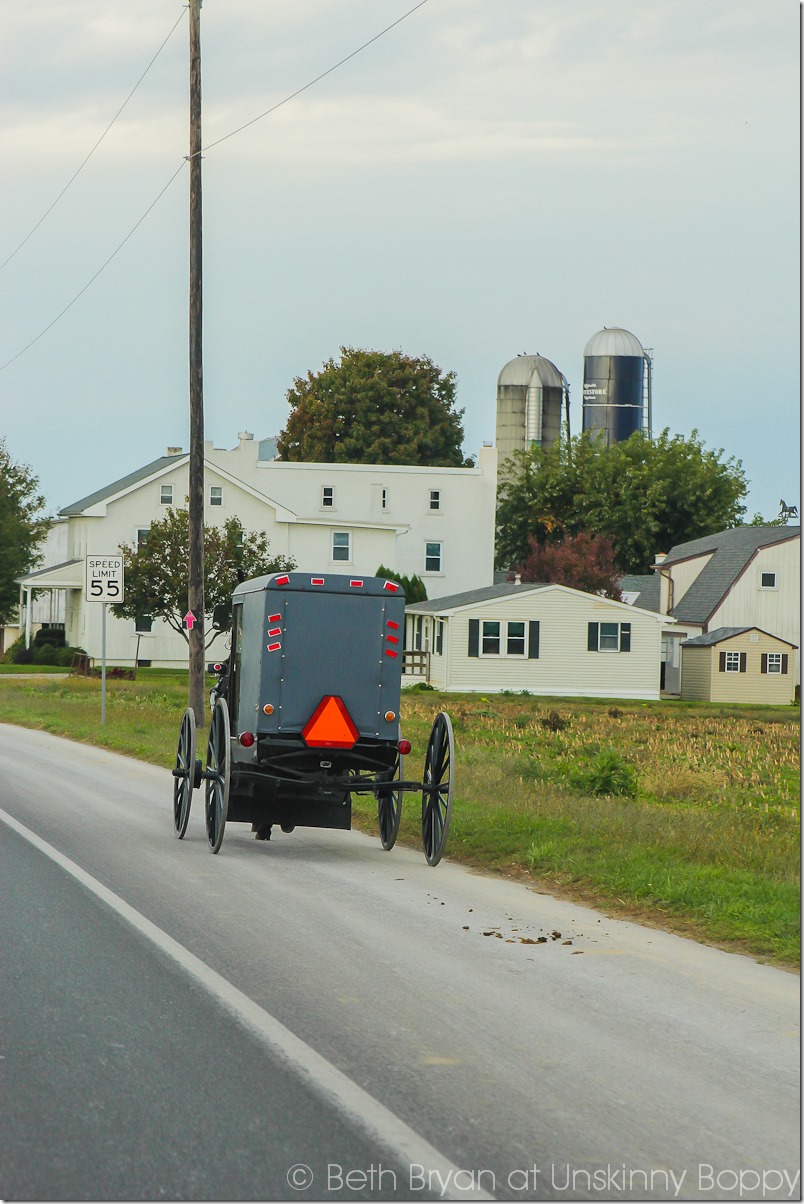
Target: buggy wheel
x,y
389,809
186,775
218,775
437,792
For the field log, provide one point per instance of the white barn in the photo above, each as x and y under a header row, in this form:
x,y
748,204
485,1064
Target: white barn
x,y
546,639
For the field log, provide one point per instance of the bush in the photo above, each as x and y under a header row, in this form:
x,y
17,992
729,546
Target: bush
x,y
44,654
50,635
64,656
607,773
18,654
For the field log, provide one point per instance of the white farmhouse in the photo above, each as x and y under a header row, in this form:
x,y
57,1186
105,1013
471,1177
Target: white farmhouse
x,y
437,523
546,639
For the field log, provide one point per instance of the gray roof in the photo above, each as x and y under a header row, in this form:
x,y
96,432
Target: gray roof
x,y
532,370
471,596
116,487
726,633
732,550
645,586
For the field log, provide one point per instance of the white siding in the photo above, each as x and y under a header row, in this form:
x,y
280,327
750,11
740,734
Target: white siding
x,y
775,611
564,666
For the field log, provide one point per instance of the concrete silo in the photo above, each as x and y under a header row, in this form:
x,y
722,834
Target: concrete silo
x,y
530,397
616,384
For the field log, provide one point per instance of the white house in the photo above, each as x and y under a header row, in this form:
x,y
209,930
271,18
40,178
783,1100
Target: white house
x,y
742,577
434,522
546,639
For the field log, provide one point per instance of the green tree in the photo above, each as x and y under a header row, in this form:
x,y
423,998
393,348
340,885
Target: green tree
x,y
156,570
414,587
644,494
22,528
374,407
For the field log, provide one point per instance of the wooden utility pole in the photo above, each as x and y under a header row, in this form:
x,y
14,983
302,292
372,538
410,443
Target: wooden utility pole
x,y
195,578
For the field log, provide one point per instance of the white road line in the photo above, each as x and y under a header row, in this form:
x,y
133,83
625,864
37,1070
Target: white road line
x,y
329,1083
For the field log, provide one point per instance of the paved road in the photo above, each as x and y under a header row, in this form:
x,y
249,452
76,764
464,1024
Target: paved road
x,y
183,1026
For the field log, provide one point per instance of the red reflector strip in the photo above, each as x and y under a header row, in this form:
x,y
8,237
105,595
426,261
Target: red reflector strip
x,y
282,580
392,586
390,652
356,584
392,639
274,647
392,624
275,631
316,580
274,618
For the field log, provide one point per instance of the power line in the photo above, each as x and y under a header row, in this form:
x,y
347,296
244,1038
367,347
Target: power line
x,y
77,172
239,129
92,280
323,75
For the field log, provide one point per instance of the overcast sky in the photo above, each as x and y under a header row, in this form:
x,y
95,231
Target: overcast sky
x,y
490,177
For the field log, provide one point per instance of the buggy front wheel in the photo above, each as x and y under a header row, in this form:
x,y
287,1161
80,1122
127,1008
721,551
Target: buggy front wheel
x,y
217,775
437,788
389,808
186,774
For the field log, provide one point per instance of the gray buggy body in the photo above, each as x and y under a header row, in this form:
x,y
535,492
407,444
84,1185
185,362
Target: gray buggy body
x,y
305,715
298,638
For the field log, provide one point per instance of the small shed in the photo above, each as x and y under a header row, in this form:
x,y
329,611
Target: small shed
x,y
545,639
738,664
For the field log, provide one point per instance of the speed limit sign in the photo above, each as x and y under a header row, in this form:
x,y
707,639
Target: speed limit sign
x,y
104,579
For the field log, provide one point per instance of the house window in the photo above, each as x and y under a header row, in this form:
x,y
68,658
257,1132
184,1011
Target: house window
x,y
439,637
216,495
515,639
732,664
328,495
767,581
498,637
341,545
774,662
491,638
166,495
143,624
432,558
384,499
142,535
435,499
608,637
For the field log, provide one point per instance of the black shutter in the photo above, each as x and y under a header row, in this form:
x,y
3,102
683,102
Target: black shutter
x,y
743,661
723,662
593,632
625,637
764,667
533,639
784,662
474,637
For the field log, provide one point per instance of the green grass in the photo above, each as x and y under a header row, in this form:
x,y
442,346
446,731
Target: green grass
x,y
684,815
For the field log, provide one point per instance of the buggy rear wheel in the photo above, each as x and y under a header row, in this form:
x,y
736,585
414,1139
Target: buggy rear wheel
x,y
187,773
389,809
437,788
218,775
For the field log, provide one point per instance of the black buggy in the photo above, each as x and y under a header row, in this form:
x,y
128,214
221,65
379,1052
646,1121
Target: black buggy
x,y
305,714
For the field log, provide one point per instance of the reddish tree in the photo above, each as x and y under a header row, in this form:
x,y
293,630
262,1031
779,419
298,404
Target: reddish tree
x,y
581,561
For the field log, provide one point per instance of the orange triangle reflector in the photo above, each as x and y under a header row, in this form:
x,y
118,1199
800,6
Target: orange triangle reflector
x,y
330,725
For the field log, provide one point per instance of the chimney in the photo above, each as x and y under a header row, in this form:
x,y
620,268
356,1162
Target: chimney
x,y
174,451
660,557
517,578
244,436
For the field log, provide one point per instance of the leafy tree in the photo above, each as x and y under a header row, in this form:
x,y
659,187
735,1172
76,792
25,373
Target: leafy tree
x,y
22,528
581,561
414,587
374,407
644,494
156,570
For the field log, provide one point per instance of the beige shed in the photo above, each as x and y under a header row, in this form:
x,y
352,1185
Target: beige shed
x,y
738,664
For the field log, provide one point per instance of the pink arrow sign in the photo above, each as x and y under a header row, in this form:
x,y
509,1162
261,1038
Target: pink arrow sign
x,y
189,619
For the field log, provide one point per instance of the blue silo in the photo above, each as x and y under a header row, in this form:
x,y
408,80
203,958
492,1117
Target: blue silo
x,y
616,384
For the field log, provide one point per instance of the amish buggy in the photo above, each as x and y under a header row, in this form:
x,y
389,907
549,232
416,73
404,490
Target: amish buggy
x,y
305,714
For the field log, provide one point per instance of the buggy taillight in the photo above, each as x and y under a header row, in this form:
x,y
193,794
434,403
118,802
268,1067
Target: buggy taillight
x,y
247,739
404,746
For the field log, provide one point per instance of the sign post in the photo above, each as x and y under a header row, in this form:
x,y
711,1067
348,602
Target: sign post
x,y
104,584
